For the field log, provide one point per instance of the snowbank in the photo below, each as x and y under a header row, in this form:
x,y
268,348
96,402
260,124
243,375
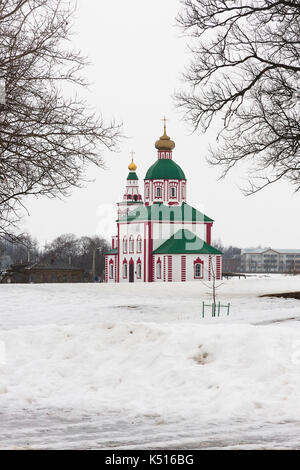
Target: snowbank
x,y
145,351
170,372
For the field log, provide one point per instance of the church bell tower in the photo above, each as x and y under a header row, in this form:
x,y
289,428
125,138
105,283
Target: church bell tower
x,y
132,196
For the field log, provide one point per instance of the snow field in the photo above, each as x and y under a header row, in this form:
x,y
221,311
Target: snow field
x,y
168,372
100,365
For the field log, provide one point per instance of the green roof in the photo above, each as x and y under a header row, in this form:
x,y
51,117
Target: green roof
x,y
132,176
183,213
186,242
114,251
165,169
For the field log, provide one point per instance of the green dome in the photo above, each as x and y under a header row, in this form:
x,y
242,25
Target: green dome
x,y
132,176
165,169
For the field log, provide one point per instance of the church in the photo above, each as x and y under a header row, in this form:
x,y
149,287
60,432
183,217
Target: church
x,y
161,238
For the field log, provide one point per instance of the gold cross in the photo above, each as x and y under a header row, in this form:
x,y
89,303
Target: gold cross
x,y
132,153
165,121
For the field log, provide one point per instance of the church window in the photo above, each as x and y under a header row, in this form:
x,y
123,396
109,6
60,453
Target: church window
x,y
131,244
199,270
139,269
125,269
173,191
158,269
111,269
158,191
139,244
125,245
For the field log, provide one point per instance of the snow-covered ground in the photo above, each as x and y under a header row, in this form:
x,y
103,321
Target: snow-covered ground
x,y
136,366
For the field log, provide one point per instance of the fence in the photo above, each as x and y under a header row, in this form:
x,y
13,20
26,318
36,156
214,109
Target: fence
x,y
215,309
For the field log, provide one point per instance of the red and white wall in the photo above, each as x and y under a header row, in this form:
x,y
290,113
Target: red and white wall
x,y
185,268
169,192
111,268
132,251
136,243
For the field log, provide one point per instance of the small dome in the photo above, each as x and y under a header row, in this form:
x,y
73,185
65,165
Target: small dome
x,y
166,170
132,166
165,143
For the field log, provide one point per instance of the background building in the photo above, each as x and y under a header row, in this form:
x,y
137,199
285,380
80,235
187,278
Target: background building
x,y
268,260
42,273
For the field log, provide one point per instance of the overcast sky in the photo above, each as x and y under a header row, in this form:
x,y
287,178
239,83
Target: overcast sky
x,y
137,55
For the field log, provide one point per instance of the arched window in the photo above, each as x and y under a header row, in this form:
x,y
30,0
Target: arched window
x,y
173,191
198,269
139,269
111,269
125,273
147,191
158,269
139,244
131,244
158,191
125,245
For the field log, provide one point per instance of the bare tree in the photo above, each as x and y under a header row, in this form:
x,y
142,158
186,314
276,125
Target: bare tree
x,y
63,248
21,250
245,73
213,285
84,252
46,137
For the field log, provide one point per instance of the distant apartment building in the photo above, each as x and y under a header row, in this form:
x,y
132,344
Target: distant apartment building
x,y
268,260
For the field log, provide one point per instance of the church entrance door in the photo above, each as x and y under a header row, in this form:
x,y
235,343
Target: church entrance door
x,y
131,272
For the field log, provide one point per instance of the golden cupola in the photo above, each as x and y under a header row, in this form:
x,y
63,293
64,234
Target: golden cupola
x,y
165,143
132,166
